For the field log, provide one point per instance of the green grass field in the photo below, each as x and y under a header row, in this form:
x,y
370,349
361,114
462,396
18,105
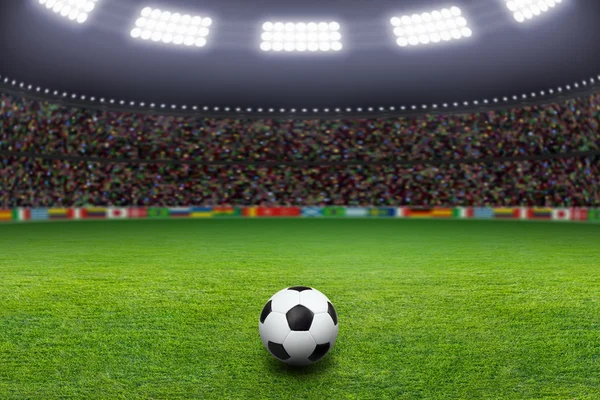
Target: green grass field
x,y
428,309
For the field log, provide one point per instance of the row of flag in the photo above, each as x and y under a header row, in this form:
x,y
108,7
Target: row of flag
x,y
556,214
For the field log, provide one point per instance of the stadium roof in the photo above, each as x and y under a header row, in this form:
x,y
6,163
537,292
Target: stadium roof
x,y
502,62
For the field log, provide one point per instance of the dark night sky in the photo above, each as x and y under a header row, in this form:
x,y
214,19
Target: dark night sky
x,y
99,58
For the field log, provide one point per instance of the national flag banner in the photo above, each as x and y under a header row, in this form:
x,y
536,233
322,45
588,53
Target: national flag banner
x,y
539,213
440,212
24,214
524,213
507,213
483,213
425,212
60,213
76,213
279,211
226,211
579,214
39,214
463,212
418,212
594,214
400,212
382,212
180,212
561,214
116,213
357,212
158,212
250,212
332,211
93,212
137,212
201,212
6,215
312,212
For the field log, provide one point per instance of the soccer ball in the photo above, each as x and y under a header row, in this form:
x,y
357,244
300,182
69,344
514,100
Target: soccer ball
x,y
298,325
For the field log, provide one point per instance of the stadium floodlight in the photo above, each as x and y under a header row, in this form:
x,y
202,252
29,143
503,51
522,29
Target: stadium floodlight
x,y
430,27
74,10
171,28
524,10
301,36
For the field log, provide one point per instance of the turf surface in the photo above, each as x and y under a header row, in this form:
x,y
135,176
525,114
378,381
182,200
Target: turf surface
x,y
428,309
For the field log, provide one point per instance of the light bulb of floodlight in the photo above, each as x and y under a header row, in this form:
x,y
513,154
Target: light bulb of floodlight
x,y
312,46
301,46
136,32
323,26
395,21
277,46
189,41
178,39
324,46
334,26
89,7
406,20
289,46
278,26
82,18
466,32
290,26
167,38
312,27
200,42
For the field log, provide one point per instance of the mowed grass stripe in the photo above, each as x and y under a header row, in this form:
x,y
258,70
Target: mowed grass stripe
x,y
428,309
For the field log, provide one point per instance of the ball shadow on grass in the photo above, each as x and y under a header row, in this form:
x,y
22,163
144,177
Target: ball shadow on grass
x,y
279,368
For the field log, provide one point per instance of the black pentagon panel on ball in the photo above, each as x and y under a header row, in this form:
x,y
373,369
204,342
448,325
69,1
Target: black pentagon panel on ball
x,y
265,311
319,352
278,351
332,312
299,288
299,318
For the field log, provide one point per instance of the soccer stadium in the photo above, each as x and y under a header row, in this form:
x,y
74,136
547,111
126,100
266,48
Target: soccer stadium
x,y
300,200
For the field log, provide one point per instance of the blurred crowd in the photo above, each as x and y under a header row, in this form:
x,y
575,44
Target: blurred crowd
x,y
560,182
32,126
